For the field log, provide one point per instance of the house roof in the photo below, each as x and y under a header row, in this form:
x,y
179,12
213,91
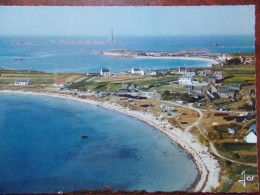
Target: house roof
x,y
105,69
250,131
137,69
22,80
187,77
225,90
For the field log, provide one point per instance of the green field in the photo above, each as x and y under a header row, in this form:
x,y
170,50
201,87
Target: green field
x,y
146,84
242,152
8,76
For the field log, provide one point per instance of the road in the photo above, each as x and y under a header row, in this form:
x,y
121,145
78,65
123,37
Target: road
x,y
203,132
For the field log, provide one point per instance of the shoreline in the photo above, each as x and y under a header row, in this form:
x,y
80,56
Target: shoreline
x,y
180,58
207,165
116,55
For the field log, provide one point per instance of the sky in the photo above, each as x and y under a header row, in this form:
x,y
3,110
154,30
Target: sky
x,y
143,21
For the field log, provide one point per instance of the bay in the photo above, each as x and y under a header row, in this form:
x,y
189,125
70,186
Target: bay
x,y
41,150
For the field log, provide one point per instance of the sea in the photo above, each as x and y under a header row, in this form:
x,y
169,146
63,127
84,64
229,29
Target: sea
x,y
41,149
61,57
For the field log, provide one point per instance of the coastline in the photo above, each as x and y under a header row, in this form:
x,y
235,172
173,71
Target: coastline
x,y
116,55
180,58
207,164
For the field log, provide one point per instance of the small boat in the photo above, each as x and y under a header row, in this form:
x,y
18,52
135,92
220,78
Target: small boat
x,y
84,136
107,187
215,44
46,100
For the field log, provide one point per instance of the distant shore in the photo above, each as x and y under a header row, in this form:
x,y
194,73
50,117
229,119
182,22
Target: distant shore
x,y
179,58
189,54
207,164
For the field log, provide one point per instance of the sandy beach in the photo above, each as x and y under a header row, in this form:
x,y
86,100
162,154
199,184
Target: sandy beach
x,y
211,61
207,164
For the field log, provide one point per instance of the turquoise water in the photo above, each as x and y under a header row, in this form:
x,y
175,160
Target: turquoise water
x,y
54,57
41,149
253,126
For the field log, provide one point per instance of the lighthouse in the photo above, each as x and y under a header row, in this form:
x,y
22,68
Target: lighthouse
x,y
111,37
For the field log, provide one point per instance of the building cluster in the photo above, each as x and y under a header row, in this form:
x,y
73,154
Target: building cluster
x,y
187,77
247,60
24,82
143,72
243,59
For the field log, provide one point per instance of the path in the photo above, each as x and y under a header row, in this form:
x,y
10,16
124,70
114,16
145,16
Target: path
x,y
214,150
203,132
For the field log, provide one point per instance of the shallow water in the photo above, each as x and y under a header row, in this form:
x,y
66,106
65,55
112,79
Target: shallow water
x,y
41,149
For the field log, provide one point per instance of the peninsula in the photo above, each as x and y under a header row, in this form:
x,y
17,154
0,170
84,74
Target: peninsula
x,y
188,54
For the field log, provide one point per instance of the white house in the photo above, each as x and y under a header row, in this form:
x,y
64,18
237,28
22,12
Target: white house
x,y
149,72
105,72
170,108
224,58
22,82
218,75
186,80
59,83
250,136
136,71
202,73
231,130
210,79
191,73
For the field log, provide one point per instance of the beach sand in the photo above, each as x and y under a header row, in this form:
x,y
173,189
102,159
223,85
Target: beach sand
x,y
180,58
207,164
211,61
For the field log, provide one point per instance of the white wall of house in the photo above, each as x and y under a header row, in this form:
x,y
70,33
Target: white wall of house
x,y
186,80
105,73
190,73
21,83
218,75
250,138
136,71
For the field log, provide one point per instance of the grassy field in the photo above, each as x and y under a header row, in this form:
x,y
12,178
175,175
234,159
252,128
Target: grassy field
x,y
174,88
116,83
243,74
242,152
35,77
